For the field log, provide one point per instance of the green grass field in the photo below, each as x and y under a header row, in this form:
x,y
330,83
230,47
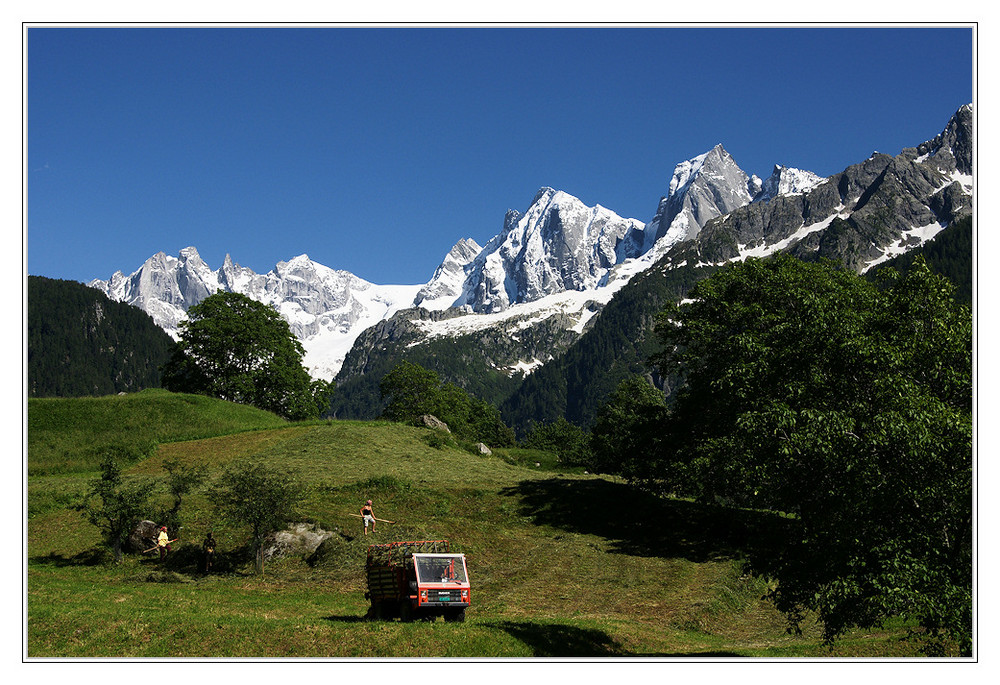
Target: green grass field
x,y
563,564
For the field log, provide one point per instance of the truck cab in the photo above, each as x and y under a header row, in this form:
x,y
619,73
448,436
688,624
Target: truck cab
x,y
442,582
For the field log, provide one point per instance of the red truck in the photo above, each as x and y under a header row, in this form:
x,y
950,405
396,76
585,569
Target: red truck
x,y
420,579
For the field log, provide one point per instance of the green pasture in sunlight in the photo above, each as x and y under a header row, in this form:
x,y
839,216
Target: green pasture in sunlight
x,y
563,564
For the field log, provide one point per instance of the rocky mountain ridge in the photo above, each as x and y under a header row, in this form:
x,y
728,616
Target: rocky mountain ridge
x,y
557,264
862,216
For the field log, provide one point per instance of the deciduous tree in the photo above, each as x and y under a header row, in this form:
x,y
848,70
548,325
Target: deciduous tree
x,y
410,391
116,505
626,433
848,406
570,442
180,480
258,496
237,349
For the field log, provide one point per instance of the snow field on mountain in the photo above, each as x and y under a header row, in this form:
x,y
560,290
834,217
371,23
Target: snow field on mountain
x,y
913,238
559,258
766,250
326,349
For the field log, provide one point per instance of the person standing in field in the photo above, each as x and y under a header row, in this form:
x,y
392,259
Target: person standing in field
x,y
368,514
208,547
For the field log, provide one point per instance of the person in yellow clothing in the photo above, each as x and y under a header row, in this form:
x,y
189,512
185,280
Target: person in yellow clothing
x,y
163,543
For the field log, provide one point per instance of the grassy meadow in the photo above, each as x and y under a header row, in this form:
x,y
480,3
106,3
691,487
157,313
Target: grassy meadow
x,y
563,564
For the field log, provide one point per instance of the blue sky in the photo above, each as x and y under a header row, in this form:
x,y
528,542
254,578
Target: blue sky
x,y
375,149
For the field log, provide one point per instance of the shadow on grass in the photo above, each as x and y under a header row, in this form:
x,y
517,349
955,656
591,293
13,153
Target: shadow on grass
x,y
546,639
642,524
185,560
90,557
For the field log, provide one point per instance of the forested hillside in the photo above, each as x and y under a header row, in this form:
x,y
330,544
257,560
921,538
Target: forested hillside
x,y
358,396
949,254
620,342
575,385
82,343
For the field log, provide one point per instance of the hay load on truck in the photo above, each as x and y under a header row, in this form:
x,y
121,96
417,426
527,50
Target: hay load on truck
x,y
417,580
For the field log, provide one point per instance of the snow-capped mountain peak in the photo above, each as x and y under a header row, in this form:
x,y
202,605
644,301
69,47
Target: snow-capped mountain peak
x,y
686,171
324,308
558,244
930,186
787,181
446,283
701,188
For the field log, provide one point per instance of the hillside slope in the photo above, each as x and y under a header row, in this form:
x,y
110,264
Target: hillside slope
x,y
73,434
556,571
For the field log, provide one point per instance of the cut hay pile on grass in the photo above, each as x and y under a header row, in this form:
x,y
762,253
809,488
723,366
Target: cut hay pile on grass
x,y
299,539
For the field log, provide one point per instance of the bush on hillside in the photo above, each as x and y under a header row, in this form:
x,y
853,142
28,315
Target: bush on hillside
x,y
569,441
116,504
411,391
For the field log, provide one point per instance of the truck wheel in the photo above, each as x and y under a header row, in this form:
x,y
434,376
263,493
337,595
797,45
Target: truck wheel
x,y
455,615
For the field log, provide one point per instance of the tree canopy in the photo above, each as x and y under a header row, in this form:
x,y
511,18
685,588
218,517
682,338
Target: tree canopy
x,y
257,496
237,349
627,428
847,405
568,441
410,391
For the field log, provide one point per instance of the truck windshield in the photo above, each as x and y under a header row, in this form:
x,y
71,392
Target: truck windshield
x,y
440,568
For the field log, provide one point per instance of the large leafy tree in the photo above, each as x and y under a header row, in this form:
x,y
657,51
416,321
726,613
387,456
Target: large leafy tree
x,y
846,405
237,349
410,391
626,432
568,441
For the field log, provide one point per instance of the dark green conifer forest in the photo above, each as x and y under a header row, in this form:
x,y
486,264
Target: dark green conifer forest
x,y
82,343
948,254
